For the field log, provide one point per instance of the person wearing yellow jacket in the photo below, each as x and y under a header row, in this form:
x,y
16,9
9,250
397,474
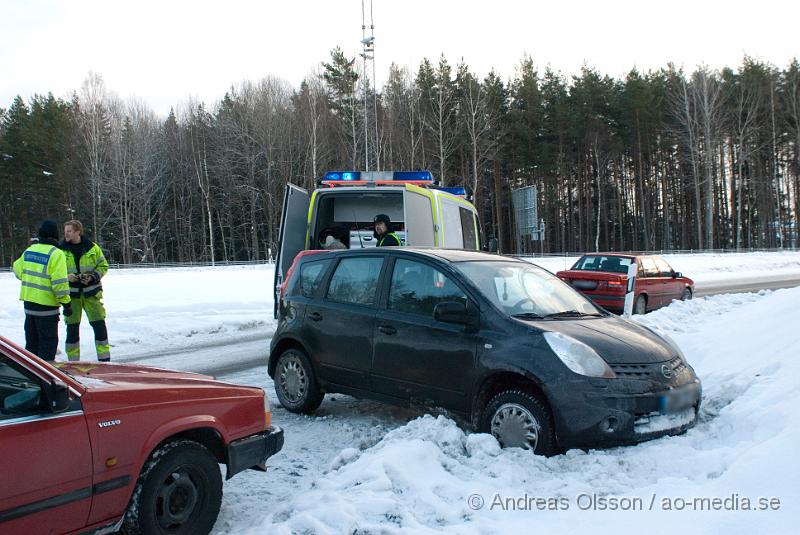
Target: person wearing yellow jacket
x,y
86,265
42,269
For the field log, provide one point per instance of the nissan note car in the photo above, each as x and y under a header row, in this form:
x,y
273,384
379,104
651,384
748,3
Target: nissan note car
x,y
502,344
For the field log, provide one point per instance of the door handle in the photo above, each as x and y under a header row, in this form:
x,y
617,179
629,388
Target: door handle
x,y
315,316
387,329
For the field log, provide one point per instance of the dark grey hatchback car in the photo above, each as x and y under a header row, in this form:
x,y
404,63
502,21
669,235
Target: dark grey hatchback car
x,y
499,342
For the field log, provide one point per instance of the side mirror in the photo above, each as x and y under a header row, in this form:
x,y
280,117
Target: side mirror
x,y
455,312
677,274
57,396
492,245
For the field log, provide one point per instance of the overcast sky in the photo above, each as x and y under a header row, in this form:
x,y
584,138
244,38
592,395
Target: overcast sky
x,y
165,51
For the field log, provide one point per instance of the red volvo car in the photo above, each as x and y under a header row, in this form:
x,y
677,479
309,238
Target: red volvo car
x,y
92,448
603,277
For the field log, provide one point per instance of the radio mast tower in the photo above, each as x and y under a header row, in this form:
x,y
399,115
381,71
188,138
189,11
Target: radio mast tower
x,y
368,55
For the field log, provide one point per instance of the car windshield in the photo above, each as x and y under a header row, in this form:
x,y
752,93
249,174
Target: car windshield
x,y
527,291
610,264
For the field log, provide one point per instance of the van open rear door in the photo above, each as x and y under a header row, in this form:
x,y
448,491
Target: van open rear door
x,y
292,234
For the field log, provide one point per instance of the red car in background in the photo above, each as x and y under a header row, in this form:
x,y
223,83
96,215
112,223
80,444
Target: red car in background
x,y
90,448
603,277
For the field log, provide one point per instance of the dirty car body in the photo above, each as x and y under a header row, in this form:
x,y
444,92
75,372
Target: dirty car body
x,y
491,339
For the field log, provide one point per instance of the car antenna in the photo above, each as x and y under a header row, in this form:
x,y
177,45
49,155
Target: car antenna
x,y
355,222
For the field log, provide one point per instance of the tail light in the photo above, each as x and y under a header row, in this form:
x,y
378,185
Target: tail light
x,y
617,286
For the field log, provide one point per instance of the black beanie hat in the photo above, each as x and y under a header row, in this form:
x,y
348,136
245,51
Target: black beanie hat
x,y
384,218
48,229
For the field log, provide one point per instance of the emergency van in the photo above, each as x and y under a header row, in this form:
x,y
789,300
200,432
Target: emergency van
x,y
422,214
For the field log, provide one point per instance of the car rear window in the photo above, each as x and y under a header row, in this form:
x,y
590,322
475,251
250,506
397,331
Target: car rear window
x,y
311,274
610,264
355,280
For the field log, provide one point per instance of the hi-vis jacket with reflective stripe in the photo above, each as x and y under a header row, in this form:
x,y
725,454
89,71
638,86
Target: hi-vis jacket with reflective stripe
x,y
43,271
91,261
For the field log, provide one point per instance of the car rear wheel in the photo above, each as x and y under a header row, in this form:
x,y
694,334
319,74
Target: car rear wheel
x,y
640,305
179,491
687,294
295,383
519,419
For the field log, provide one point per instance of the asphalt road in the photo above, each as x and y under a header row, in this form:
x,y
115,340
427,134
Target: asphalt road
x,y
250,351
746,286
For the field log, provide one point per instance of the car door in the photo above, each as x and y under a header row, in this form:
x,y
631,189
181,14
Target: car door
x,y
416,357
46,461
338,325
652,283
291,236
673,287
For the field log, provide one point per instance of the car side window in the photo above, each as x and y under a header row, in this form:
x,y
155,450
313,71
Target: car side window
x,y
417,288
355,281
20,391
649,267
311,274
664,269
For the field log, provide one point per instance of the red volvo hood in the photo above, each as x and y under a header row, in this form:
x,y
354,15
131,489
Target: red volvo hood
x,y
93,375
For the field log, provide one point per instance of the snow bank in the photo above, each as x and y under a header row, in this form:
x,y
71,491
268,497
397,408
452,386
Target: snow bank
x,y
429,476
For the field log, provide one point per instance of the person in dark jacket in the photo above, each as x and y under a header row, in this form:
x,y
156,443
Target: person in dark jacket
x,y
382,234
86,265
42,269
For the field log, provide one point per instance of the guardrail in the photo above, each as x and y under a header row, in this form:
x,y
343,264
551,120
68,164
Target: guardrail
x,y
662,252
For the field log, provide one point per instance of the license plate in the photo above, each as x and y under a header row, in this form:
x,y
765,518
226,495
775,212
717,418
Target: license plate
x,y
677,400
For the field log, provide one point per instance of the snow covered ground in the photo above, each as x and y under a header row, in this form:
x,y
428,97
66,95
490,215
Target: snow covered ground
x,y
359,466
362,467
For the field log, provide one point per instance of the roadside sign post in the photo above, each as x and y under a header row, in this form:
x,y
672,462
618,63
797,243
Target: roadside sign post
x,y
633,269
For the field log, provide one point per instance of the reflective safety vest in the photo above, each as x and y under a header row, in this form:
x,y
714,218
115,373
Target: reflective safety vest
x,y
42,269
390,239
91,261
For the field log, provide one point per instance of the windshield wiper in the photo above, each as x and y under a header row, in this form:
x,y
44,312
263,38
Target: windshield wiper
x,y
571,314
527,316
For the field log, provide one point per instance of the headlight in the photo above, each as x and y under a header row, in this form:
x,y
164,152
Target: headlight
x,y
577,356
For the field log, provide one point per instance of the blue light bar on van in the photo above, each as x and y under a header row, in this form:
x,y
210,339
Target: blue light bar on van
x,y
378,176
420,176
460,191
342,176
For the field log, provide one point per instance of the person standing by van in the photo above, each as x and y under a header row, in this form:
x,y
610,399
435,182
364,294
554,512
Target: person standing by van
x,y
86,265
43,272
382,234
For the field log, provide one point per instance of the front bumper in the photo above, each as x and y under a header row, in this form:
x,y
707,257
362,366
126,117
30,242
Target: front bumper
x,y
253,451
617,412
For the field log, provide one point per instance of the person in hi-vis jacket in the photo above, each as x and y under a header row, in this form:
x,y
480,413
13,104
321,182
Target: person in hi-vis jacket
x,y
86,265
42,269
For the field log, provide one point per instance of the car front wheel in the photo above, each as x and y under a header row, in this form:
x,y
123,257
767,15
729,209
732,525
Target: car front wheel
x,y
519,419
687,294
178,492
295,383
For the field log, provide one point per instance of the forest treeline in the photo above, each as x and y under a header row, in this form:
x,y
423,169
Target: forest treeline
x,y
660,160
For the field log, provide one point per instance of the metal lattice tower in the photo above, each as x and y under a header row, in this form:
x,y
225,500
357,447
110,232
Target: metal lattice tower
x,y
371,149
